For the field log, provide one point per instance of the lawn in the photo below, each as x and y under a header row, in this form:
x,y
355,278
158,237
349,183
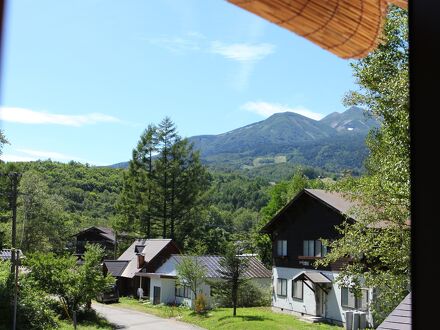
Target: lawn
x,y
258,318
87,321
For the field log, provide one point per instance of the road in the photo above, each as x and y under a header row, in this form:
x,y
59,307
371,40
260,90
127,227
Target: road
x,y
133,320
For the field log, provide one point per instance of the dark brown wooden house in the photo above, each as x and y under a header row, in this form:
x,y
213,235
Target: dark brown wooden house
x,y
103,236
296,232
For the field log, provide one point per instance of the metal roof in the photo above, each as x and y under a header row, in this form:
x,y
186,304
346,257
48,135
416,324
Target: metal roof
x,y
256,269
151,248
333,200
315,277
5,254
400,317
116,267
104,232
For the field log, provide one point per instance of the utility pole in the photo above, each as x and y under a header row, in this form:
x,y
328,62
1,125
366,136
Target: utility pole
x,y
14,324
14,178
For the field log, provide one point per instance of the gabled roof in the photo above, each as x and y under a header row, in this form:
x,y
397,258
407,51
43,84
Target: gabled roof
x,y
256,269
334,200
400,317
116,267
105,232
151,248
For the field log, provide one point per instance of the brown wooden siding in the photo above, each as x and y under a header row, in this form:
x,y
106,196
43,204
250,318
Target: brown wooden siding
x,y
306,219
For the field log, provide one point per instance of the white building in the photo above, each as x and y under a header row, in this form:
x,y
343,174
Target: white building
x,y
299,288
163,281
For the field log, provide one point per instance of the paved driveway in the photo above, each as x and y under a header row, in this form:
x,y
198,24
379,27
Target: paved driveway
x,y
134,320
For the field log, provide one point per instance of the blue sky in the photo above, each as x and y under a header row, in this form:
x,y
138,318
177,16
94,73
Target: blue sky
x,y
82,79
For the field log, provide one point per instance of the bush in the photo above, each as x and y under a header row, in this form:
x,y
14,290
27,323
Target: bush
x,y
33,307
249,295
200,303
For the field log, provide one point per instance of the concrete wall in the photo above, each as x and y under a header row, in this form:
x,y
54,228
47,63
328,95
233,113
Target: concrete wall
x,y
307,306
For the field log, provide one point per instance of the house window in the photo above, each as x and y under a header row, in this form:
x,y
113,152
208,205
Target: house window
x,y
281,248
297,289
349,300
183,291
282,287
314,248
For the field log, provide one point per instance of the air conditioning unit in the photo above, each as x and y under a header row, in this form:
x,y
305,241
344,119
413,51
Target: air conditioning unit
x,y
355,320
348,320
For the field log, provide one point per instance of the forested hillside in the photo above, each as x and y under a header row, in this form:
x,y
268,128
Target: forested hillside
x,y
273,147
57,200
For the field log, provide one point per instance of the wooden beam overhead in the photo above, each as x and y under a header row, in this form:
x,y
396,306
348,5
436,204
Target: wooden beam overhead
x,y
347,28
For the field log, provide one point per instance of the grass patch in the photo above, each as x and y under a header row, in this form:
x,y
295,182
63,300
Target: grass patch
x,y
258,318
87,321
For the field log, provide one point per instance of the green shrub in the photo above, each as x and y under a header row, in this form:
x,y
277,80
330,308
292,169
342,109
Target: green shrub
x,y
33,307
200,303
249,295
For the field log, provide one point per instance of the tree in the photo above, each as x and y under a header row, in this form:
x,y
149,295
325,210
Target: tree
x,y
62,276
381,257
163,184
233,272
191,272
41,223
138,189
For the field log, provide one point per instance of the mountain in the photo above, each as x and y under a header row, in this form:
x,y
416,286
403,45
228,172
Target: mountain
x,y
353,119
332,144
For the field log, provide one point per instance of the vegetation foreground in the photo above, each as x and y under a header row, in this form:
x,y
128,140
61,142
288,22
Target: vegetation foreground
x,y
259,318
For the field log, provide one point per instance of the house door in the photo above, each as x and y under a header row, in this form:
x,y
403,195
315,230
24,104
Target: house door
x,y
320,298
156,295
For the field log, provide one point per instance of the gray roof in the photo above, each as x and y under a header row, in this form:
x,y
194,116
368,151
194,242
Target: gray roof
x,y
151,248
400,317
116,267
6,254
104,232
333,199
107,232
256,269
314,276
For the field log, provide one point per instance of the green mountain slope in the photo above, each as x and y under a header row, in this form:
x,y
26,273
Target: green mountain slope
x,y
332,144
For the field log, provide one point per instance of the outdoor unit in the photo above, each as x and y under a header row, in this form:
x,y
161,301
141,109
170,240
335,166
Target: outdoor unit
x,y
355,320
348,320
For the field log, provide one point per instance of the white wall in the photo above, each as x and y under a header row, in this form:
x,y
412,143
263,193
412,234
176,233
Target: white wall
x,y
333,309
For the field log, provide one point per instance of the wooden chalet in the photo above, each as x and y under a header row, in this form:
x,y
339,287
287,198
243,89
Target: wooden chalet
x,y
296,232
103,236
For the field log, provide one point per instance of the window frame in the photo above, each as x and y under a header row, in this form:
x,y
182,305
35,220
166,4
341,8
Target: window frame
x,y
357,301
294,285
182,291
279,287
282,245
315,245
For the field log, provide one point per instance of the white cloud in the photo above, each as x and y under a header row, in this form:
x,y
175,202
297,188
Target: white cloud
x,y
266,109
16,158
28,116
242,52
27,155
191,41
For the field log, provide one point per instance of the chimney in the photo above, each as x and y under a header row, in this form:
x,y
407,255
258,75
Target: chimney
x,y
140,260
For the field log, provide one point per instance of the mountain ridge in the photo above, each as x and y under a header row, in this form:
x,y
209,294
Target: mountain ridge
x,y
333,143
